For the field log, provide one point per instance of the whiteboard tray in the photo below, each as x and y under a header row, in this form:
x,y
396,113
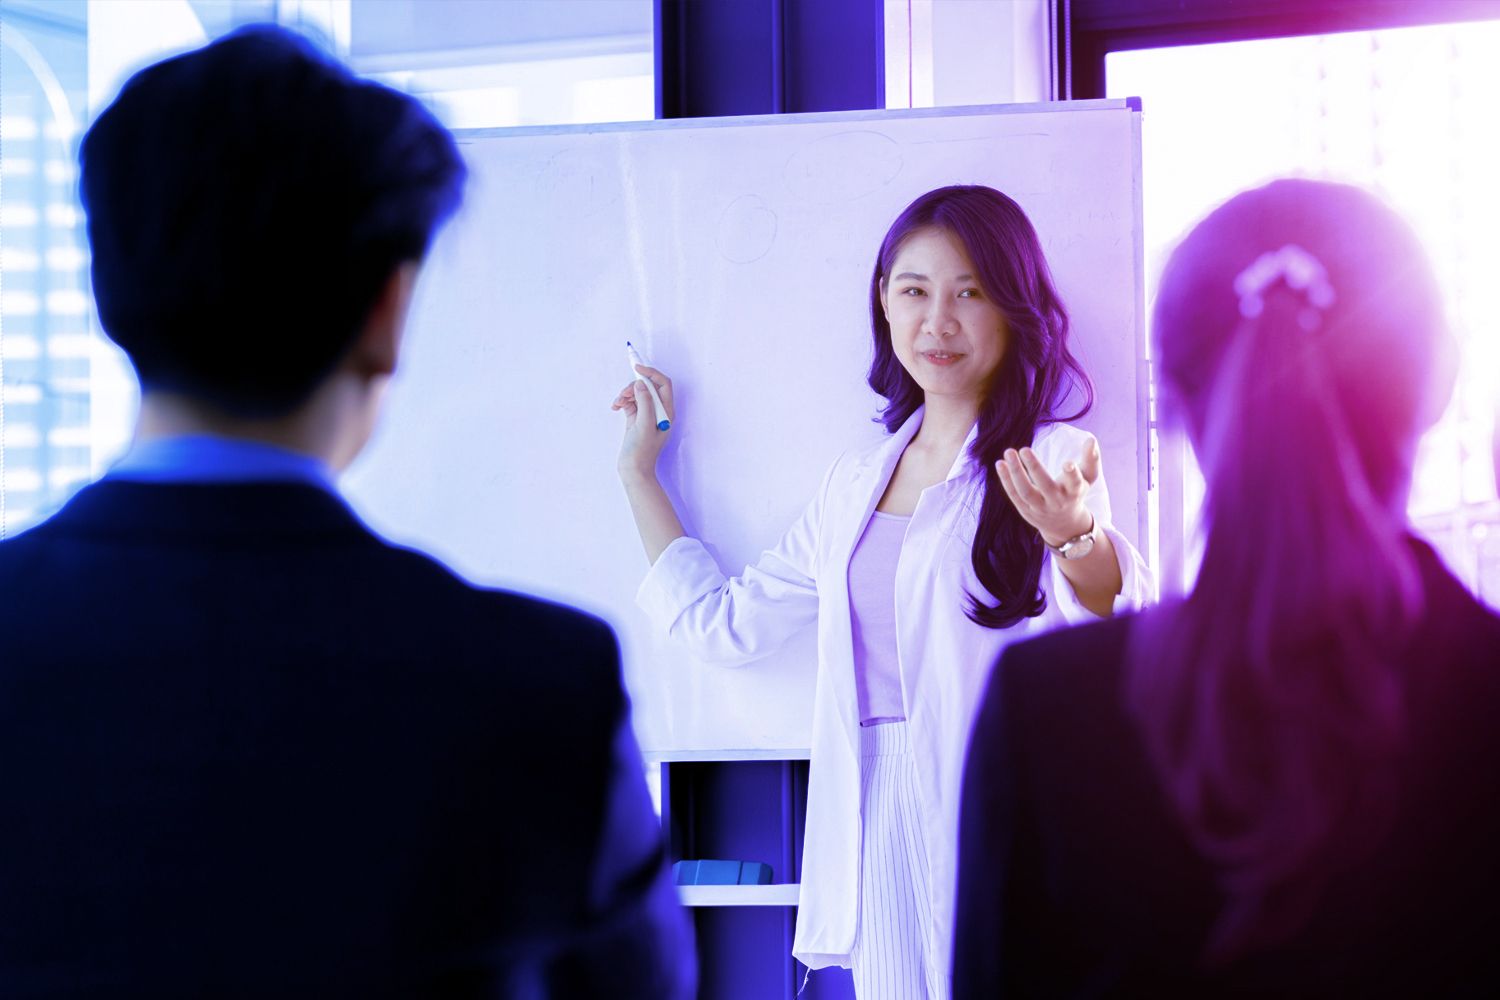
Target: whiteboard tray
x,y
739,895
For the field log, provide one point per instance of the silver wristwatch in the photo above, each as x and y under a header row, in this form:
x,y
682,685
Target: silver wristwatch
x,y
1078,546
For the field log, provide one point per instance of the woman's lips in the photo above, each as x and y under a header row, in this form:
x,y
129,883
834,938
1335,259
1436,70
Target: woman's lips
x,y
941,358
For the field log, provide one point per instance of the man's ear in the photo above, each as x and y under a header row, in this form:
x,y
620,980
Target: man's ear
x,y
379,343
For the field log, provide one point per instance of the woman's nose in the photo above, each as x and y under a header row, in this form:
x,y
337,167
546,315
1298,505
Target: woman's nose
x,y
939,320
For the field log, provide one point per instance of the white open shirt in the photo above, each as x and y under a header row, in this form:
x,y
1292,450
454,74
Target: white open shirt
x,y
945,658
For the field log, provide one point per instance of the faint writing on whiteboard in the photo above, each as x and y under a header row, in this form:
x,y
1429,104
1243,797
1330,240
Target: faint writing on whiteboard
x,y
747,229
844,166
579,183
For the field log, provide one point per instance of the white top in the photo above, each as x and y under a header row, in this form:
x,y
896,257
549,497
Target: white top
x,y
944,657
872,612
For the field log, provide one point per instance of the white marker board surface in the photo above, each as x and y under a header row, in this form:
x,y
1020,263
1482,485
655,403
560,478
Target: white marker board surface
x,y
736,254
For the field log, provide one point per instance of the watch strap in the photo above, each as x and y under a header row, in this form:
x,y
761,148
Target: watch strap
x,y
1065,547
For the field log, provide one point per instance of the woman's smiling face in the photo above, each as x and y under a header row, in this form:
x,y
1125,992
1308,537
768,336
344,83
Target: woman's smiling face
x,y
945,331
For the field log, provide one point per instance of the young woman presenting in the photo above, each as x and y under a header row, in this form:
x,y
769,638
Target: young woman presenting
x,y
981,519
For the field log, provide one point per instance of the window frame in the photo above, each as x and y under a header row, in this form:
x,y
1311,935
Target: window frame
x,y
1089,30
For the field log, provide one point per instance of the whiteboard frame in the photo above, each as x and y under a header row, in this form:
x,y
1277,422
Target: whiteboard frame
x,y
808,117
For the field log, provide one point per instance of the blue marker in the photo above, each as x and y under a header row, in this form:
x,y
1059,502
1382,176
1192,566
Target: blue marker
x,y
635,359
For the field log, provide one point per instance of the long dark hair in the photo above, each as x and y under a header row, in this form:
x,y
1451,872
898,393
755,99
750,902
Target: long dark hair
x,y
1299,330
1035,377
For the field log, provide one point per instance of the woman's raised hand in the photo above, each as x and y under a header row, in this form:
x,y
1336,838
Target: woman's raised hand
x,y
643,442
1054,507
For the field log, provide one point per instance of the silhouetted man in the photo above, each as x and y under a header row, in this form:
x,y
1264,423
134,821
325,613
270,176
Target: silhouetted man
x,y
247,748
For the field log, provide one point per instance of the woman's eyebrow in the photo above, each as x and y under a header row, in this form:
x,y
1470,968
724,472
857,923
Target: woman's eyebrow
x,y
914,276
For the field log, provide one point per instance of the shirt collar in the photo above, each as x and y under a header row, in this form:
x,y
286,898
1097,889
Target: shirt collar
x,y
962,462
205,458
889,453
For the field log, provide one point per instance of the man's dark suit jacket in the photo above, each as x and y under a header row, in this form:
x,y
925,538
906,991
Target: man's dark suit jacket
x,y
1076,879
249,749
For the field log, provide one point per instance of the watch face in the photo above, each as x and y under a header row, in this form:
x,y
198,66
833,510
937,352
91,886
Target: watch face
x,y
1077,548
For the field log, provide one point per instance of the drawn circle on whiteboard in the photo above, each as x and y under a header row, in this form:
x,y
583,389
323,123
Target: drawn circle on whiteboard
x,y
578,184
747,229
845,166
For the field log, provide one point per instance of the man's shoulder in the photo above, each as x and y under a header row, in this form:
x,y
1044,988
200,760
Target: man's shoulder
x,y
527,641
295,554
440,584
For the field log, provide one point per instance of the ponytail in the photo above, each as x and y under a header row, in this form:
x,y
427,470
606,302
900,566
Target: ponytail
x,y
1269,700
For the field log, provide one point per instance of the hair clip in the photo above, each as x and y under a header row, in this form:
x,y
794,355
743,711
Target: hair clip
x,y
1301,271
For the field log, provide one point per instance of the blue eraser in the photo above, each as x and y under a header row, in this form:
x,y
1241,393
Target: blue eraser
x,y
707,872
662,425
718,872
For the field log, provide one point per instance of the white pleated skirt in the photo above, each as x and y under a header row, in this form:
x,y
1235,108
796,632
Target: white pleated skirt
x,y
893,954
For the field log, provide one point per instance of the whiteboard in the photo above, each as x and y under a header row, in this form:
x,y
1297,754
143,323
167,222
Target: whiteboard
x,y
737,253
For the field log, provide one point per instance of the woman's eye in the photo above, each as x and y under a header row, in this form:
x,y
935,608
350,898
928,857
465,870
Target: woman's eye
x,y
969,293
913,292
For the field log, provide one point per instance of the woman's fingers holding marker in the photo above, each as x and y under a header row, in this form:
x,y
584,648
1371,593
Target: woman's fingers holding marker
x,y
626,398
657,377
663,386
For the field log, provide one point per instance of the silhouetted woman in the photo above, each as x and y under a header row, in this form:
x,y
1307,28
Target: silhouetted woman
x,y
1283,784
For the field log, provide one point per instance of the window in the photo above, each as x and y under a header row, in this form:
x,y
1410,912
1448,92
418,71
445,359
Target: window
x,y
1402,111
516,62
45,340
67,397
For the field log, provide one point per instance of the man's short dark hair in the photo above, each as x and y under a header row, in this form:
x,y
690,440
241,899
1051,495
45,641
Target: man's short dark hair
x,y
246,203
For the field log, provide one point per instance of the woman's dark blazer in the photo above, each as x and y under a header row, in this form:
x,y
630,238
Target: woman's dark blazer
x,y
1076,879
